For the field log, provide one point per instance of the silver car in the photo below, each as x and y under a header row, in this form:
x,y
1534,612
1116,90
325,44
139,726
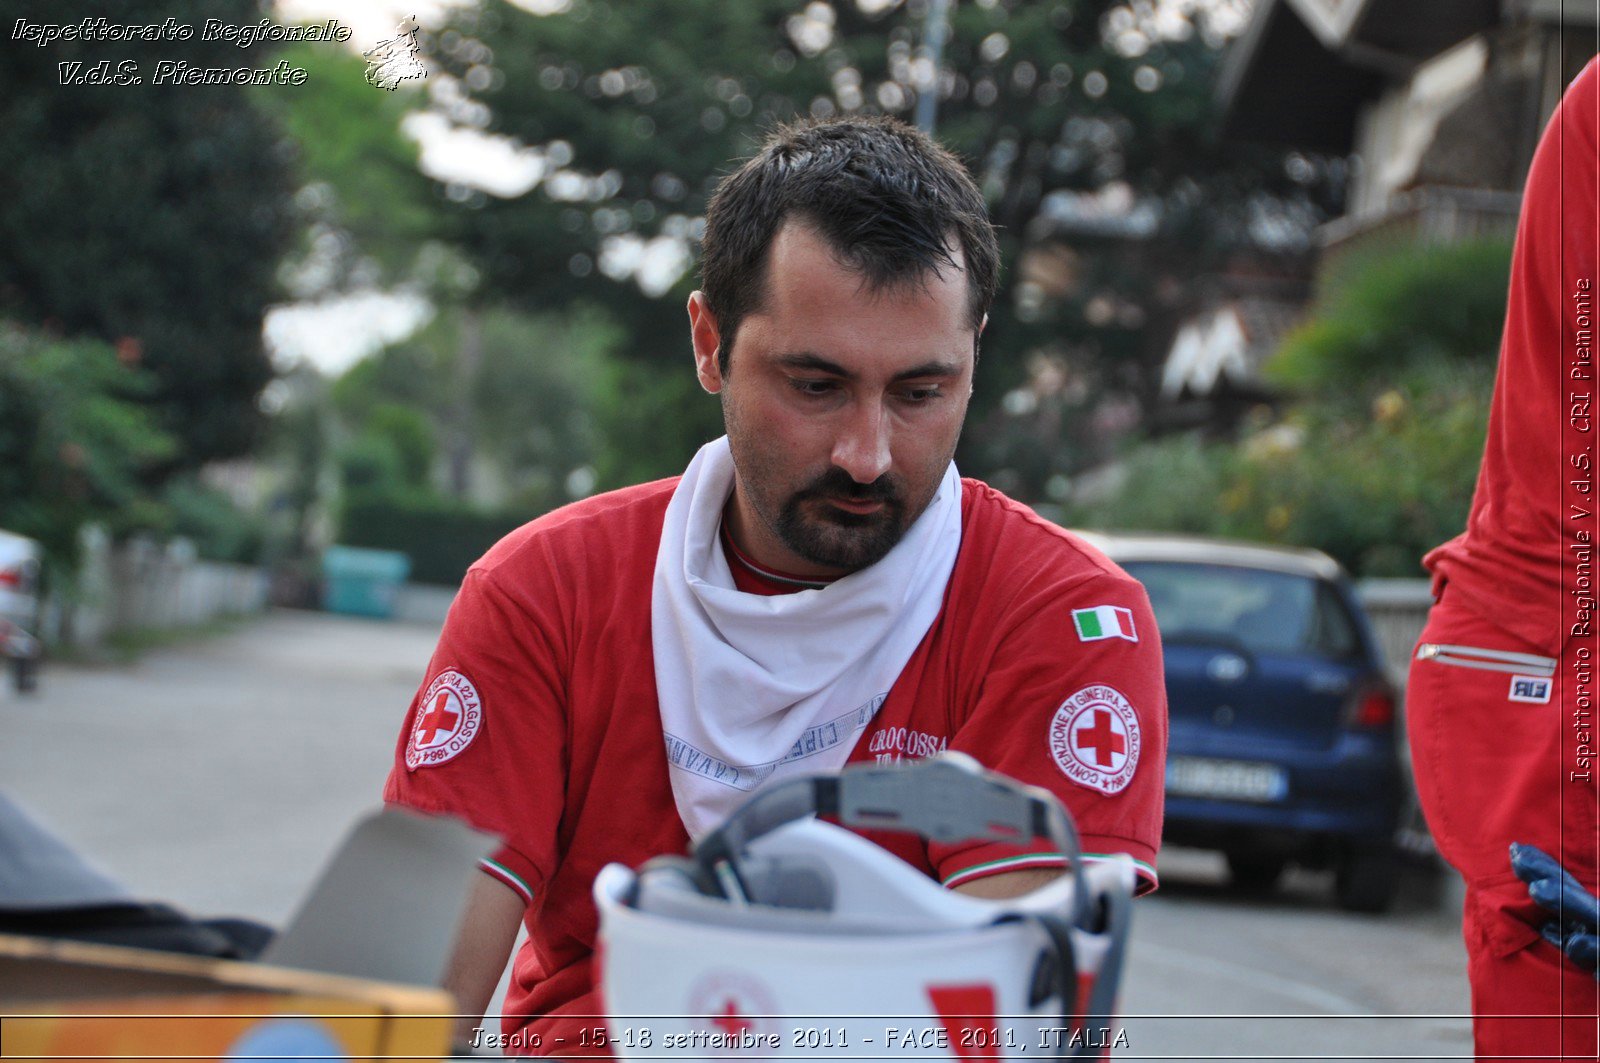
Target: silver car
x,y
20,607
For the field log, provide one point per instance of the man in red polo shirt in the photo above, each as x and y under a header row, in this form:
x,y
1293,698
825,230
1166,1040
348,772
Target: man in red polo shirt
x,y
820,586
1501,697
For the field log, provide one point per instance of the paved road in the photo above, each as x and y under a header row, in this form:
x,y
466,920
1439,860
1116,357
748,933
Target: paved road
x,y
220,774
1236,969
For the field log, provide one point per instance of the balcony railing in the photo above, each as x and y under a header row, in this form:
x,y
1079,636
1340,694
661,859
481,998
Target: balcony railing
x,y
1422,217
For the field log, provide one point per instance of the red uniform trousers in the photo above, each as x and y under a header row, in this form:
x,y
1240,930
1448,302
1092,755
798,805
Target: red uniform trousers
x,y
1491,771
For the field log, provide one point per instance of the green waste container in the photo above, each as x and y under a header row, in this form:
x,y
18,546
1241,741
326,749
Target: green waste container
x,y
361,582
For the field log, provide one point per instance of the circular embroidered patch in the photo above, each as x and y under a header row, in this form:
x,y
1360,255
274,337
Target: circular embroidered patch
x,y
1094,739
448,719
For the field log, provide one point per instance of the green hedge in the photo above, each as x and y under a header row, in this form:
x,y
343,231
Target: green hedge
x,y
1387,311
1376,493
442,537
1376,461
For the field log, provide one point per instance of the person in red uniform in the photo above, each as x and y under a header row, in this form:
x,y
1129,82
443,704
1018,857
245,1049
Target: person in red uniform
x,y
819,586
1501,695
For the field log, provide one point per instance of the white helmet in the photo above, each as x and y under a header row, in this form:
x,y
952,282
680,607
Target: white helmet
x,y
782,936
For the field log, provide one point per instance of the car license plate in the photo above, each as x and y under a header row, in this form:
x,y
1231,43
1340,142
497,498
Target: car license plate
x,y
1234,780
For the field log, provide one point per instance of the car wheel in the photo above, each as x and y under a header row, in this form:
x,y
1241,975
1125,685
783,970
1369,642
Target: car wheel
x,y
26,673
1256,872
1366,878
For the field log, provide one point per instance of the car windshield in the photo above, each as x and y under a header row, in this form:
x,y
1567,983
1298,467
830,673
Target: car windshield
x,y
1264,612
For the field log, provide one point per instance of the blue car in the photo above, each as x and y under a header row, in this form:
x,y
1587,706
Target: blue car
x,y
1283,745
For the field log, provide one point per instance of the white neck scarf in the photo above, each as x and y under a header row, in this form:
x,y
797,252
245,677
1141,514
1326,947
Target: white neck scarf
x,y
754,687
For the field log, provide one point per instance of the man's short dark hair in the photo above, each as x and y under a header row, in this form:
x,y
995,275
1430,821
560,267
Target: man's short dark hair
x,y
884,196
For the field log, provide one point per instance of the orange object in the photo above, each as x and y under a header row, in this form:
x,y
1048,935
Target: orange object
x,y
65,1000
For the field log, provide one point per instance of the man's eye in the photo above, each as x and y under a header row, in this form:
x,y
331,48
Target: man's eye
x,y
917,396
812,387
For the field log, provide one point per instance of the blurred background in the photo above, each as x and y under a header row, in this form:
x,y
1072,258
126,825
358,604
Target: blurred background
x,y
1256,255
1255,261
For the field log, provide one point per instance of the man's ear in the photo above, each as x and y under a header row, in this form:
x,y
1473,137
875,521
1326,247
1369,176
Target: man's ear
x,y
707,339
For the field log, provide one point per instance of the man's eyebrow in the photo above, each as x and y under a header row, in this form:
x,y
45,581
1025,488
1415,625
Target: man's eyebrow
x,y
817,363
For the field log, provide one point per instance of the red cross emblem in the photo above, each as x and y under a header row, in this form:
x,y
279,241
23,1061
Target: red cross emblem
x,y
1105,740
449,717
729,1020
733,1003
439,717
1094,739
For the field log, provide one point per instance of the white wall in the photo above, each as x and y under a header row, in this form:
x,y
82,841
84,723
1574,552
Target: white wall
x,y
147,585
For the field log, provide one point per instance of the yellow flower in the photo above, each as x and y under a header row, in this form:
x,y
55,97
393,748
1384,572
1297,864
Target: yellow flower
x,y
1388,406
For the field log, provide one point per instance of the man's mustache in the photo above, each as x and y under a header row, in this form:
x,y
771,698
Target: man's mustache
x,y
836,483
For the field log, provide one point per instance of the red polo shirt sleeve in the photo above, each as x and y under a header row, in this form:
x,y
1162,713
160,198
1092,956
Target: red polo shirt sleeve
x,y
1073,700
485,737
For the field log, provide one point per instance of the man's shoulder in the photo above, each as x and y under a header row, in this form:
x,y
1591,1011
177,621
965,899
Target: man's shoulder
x,y
1015,562
993,521
600,525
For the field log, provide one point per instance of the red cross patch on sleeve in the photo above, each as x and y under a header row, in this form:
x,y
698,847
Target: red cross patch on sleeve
x,y
449,717
1094,739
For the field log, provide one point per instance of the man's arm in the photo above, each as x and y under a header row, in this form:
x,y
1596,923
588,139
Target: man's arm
x,y
488,930
1043,685
1010,884
494,691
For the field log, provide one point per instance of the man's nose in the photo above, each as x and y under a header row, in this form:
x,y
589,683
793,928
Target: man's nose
x,y
862,447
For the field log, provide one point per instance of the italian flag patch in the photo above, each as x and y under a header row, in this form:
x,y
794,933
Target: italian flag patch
x,y
1104,622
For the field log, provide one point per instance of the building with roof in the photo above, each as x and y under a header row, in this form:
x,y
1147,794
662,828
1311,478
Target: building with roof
x,y
1438,103
1441,103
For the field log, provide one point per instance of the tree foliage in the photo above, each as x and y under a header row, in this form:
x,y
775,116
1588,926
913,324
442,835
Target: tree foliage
x,y
1376,491
1377,463
1087,123
368,211
548,410
207,517
148,215
75,444
1402,307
